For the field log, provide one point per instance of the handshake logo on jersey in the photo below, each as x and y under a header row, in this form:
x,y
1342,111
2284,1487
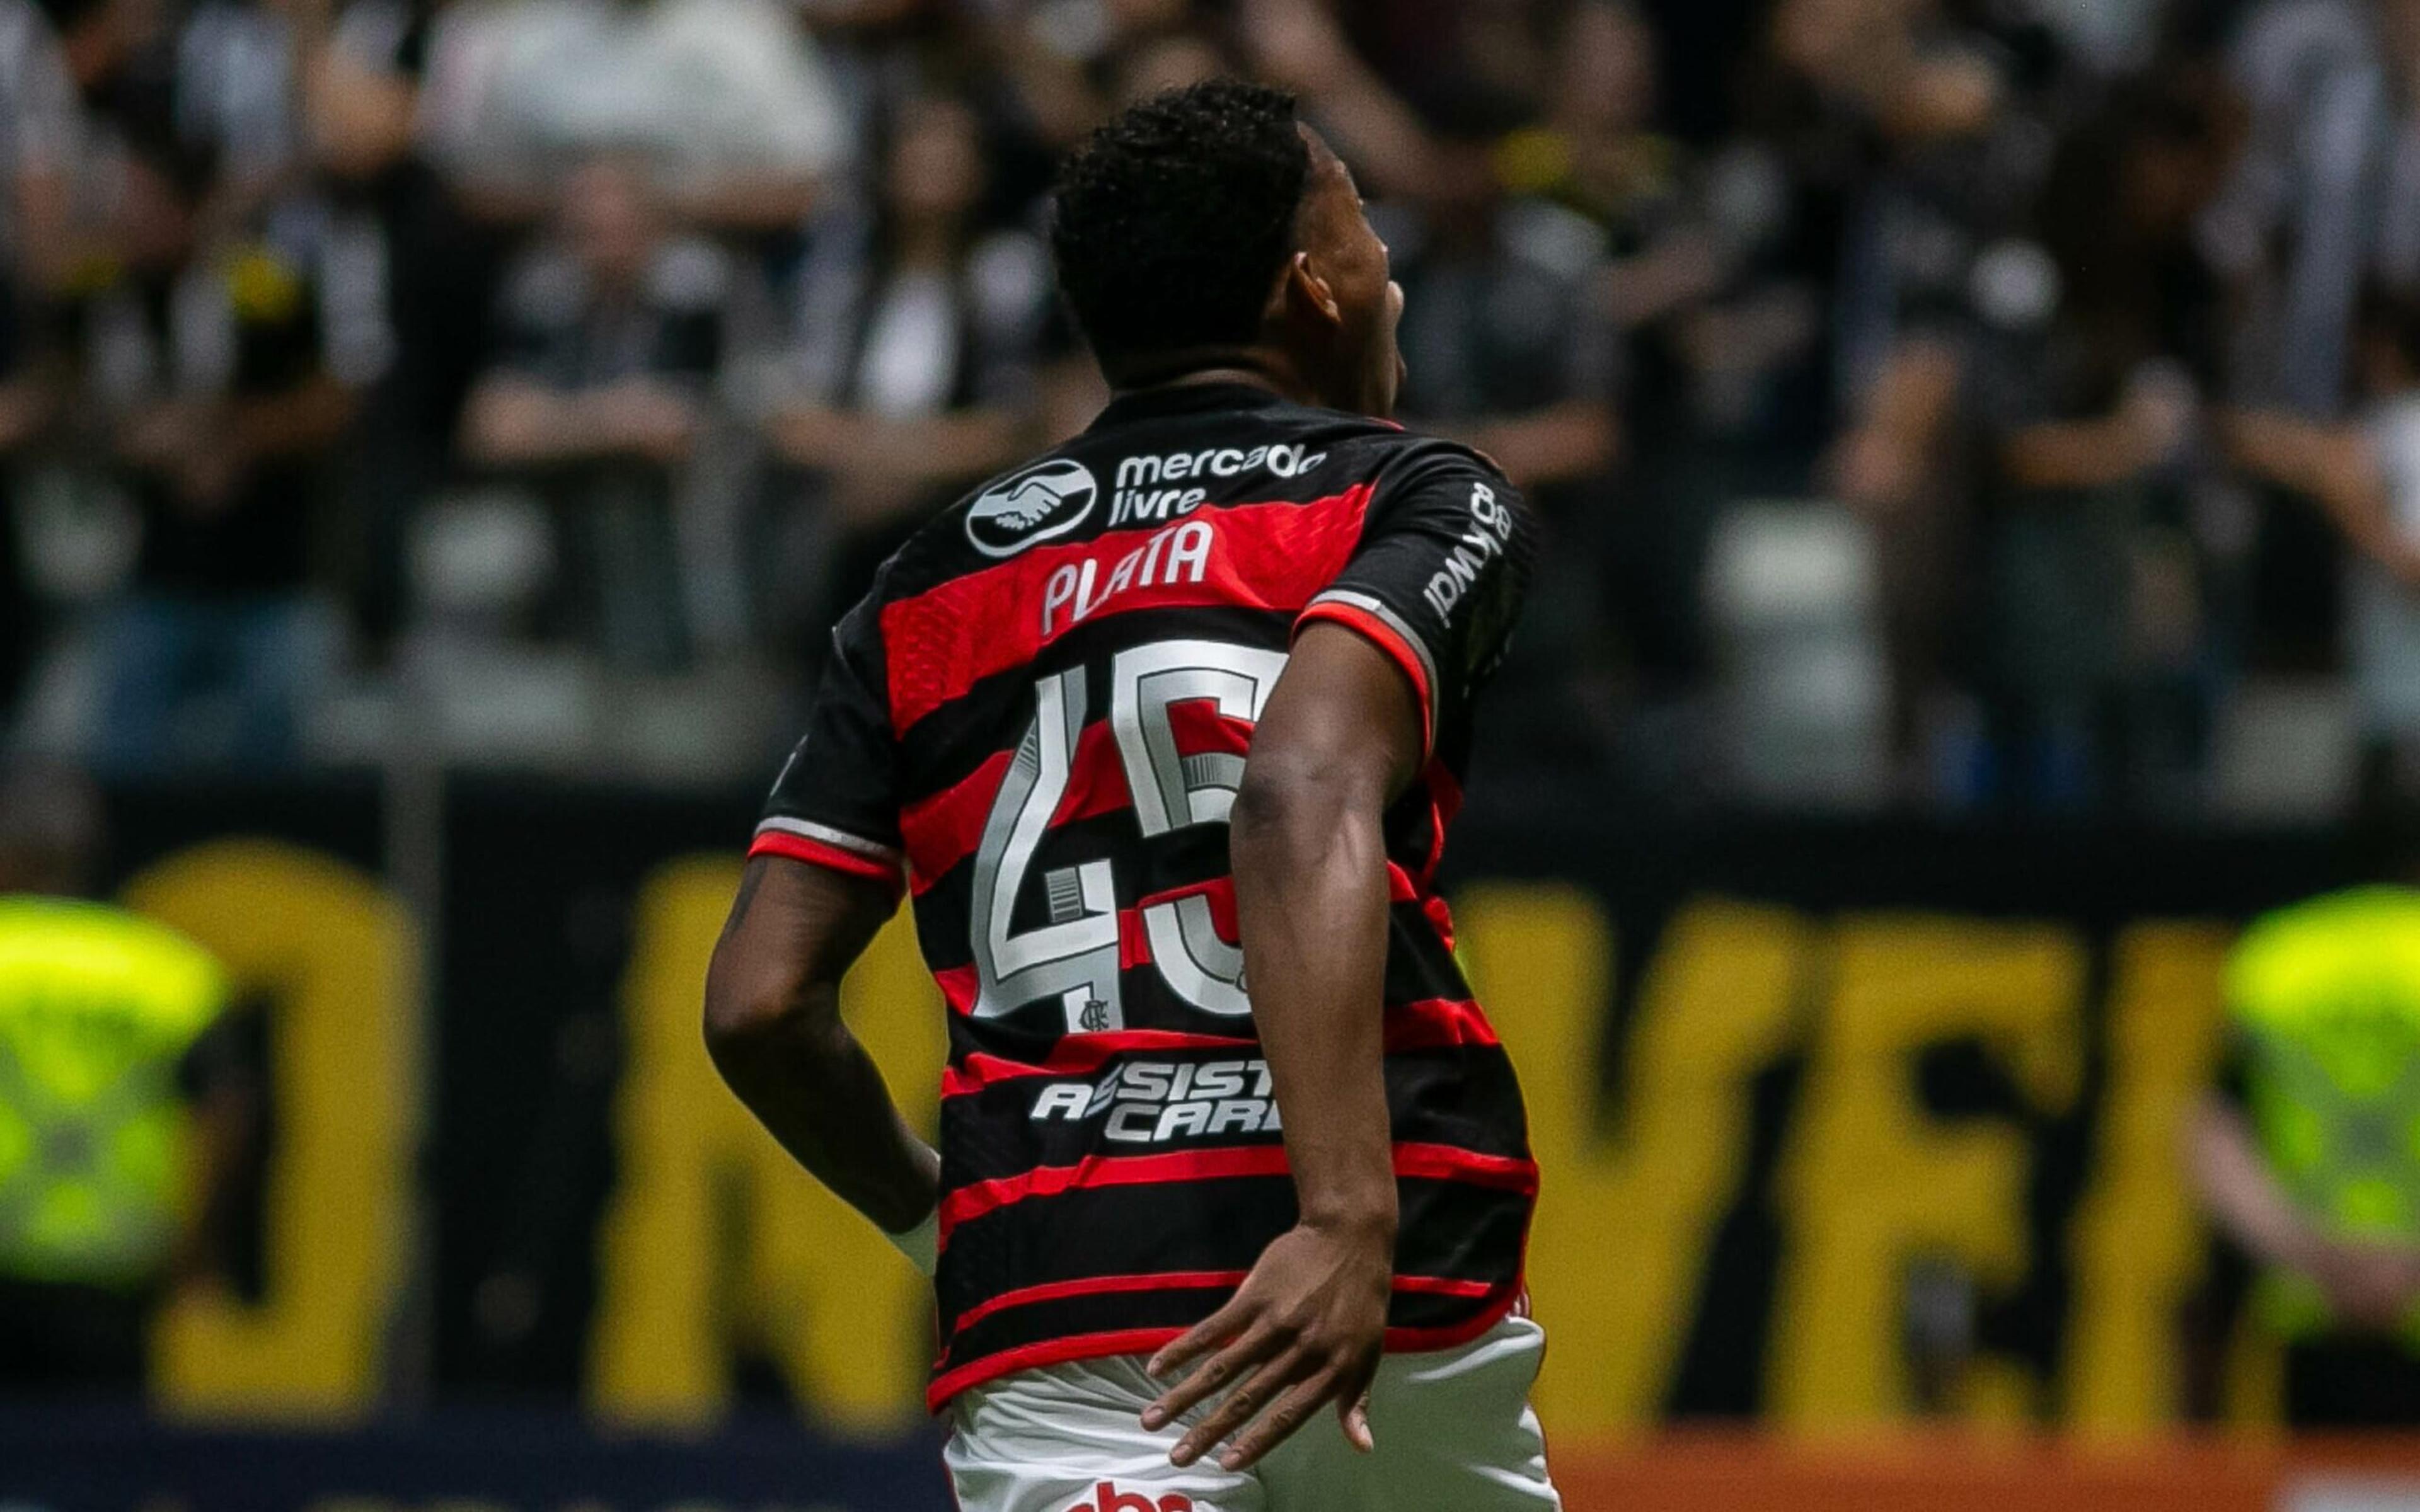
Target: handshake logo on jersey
x,y
1151,1102
1108,1498
1030,506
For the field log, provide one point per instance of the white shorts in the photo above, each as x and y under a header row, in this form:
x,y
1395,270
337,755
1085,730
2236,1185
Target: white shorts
x,y
1453,1429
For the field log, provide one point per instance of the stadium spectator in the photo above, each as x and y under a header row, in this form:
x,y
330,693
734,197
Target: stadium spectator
x,y
1955,159
1362,60
2093,345
37,151
1721,257
1300,45
1504,343
1506,348
725,103
225,376
237,94
122,1123
435,269
1068,64
2366,476
2325,202
914,353
2327,195
609,340
1671,268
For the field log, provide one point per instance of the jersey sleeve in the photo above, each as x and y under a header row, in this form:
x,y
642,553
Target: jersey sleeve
x,y
1439,576
836,803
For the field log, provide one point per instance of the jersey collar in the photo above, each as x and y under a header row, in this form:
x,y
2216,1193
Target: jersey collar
x,y
1184,399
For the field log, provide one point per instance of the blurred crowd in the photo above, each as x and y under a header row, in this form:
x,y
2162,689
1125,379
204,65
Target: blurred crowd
x,y
1981,405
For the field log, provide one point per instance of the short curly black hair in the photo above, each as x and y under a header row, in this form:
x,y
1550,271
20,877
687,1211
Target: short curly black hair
x,y
1172,220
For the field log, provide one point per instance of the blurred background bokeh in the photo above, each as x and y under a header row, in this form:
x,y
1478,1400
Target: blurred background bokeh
x,y
1936,407
1979,445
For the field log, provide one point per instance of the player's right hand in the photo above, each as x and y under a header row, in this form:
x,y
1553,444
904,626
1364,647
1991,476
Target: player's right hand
x,y
1306,1328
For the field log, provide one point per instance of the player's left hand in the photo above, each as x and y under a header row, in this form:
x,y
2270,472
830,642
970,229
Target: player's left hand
x,y
1306,1328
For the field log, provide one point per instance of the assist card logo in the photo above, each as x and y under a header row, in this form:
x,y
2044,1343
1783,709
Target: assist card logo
x,y
1046,500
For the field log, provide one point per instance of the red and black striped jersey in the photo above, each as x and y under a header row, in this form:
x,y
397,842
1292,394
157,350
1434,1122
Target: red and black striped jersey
x,y
1035,724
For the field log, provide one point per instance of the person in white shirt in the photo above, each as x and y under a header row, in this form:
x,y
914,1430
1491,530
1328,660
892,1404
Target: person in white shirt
x,y
916,361
727,102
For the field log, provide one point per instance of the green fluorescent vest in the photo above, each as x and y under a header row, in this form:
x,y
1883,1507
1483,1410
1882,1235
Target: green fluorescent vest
x,y
98,1007
2326,997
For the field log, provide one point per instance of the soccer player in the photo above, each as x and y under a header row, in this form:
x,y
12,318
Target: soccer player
x,y
1162,732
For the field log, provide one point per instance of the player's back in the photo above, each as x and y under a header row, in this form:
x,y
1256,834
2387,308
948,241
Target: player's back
x,y
1037,722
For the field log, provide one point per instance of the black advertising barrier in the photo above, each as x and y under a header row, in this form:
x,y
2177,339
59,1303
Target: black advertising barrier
x,y
542,896
545,883
542,892
2093,882
491,1458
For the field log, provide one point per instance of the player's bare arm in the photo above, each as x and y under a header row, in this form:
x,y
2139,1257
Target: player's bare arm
x,y
773,1026
1340,740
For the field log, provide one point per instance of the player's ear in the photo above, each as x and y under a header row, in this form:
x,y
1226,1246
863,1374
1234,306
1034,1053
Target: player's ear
x,y
1306,292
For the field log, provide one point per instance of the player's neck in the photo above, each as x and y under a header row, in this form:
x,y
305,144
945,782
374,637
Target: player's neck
x,y
1244,365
